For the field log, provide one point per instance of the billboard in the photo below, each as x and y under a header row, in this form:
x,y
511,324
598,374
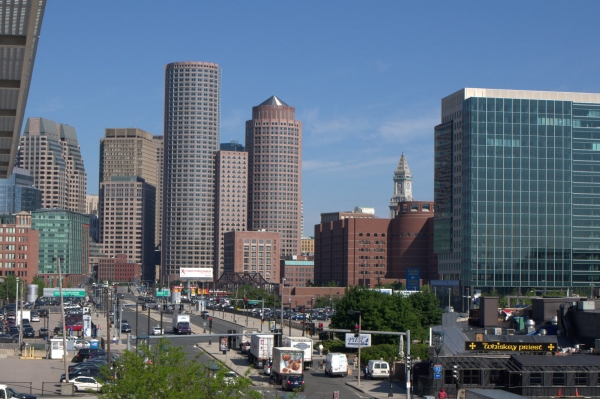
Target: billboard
x,y
186,273
352,341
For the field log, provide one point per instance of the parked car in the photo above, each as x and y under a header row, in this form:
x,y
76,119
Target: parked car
x,y
7,338
84,383
43,332
28,332
87,353
229,378
82,371
35,317
81,344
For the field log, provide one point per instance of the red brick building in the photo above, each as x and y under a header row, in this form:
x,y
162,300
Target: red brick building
x,y
364,251
19,247
298,270
252,252
118,269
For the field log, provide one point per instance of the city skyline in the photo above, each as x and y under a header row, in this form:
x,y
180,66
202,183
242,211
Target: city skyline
x,y
364,95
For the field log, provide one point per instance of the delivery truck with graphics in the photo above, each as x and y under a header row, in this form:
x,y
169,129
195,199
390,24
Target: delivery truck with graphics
x,y
181,323
304,343
287,361
261,349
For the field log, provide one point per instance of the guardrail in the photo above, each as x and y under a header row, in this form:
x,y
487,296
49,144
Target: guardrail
x,y
20,385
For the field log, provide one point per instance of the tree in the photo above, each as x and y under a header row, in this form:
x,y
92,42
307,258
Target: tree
x,y
427,307
164,372
8,289
40,283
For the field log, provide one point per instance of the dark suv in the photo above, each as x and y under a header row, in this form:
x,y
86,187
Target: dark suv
x,y
292,382
86,353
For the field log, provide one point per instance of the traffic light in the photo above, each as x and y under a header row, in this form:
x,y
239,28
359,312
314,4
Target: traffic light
x,y
408,362
312,328
455,374
356,329
320,327
210,322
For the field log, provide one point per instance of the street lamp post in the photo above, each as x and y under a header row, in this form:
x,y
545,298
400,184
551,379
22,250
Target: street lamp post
x,y
359,338
62,310
438,344
282,289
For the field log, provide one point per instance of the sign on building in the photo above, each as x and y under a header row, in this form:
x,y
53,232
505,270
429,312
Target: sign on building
x,y
67,292
205,273
472,346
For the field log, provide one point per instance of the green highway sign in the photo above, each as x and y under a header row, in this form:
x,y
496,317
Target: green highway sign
x,y
67,292
162,293
253,302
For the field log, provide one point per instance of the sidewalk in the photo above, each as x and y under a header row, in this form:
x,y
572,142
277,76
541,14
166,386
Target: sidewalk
x,y
379,388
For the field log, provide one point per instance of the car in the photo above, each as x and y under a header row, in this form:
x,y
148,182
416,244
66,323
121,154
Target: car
x,y
292,382
230,378
246,347
85,383
35,317
157,331
28,332
87,353
6,392
14,331
43,312
82,371
204,314
43,332
81,344
267,367
7,338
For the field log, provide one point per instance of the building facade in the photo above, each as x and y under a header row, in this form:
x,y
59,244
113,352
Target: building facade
x,y
17,193
126,214
402,186
20,25
64,234
118,269
255,252
50,151
367,252
132,152
357,213
231,199
274,145
192,127
297,272
515,188
91,204
19,248
307,246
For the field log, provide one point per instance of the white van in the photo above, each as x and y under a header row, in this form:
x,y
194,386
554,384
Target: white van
x,y
378,369
336,364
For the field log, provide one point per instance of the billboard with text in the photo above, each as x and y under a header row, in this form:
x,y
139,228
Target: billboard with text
x,y
186,273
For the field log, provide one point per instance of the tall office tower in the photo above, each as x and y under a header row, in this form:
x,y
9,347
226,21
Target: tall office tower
x,y
126,214
274,145
515,195
192,123
131,152
231,199
50,151
402,186
91,204
17,193
20,30
160,150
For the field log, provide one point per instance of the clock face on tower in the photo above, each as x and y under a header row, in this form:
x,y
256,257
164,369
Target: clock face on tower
x,y
407,186
399,185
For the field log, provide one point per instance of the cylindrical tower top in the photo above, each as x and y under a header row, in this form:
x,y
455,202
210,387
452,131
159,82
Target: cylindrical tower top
x,y
273,108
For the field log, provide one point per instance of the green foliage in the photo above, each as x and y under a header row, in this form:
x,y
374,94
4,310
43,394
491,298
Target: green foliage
x,y
164,372
332,283
420,351
336,345
427,306
383,312
40,283
253,293
384,351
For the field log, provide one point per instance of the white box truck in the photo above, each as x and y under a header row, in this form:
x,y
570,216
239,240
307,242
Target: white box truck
x,y
286,361
181,323
304,343
261,349
26,315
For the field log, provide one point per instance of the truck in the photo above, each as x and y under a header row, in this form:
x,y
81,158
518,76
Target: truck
x,y
26,315
304,343
261,349
181,323
286,361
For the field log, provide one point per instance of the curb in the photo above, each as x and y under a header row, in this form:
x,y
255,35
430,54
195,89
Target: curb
x,y
354,387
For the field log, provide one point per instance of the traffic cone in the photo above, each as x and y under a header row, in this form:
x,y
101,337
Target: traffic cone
x,y
560,392
576,392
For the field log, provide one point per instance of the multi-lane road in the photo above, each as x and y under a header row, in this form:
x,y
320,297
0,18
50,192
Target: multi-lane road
x,y
317,384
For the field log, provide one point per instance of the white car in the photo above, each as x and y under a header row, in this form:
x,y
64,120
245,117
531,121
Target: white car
x,y
157,331
35,317
81,344
83,383
229,378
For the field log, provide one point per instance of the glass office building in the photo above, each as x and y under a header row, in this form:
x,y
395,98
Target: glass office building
x,y
517,189
17,193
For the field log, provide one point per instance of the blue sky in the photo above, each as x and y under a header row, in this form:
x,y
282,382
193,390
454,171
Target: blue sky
x,y
366,78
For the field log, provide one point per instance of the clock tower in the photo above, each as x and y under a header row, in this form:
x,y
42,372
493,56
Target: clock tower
x,y
402,186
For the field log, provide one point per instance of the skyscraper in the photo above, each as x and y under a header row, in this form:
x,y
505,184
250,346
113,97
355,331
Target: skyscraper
x,y
20,26
231,199
274,145
192,123
402,186
50,151
515,189
132,152
17,193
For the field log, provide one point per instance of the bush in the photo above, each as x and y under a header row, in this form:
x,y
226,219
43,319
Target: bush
x,y
376,352
419,351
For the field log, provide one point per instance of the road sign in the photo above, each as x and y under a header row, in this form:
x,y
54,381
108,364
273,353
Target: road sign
x,y
437,376
437,368
67,292
413,279
160,293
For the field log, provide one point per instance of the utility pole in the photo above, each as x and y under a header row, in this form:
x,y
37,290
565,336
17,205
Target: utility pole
x,y
62,310
108,326
282,290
